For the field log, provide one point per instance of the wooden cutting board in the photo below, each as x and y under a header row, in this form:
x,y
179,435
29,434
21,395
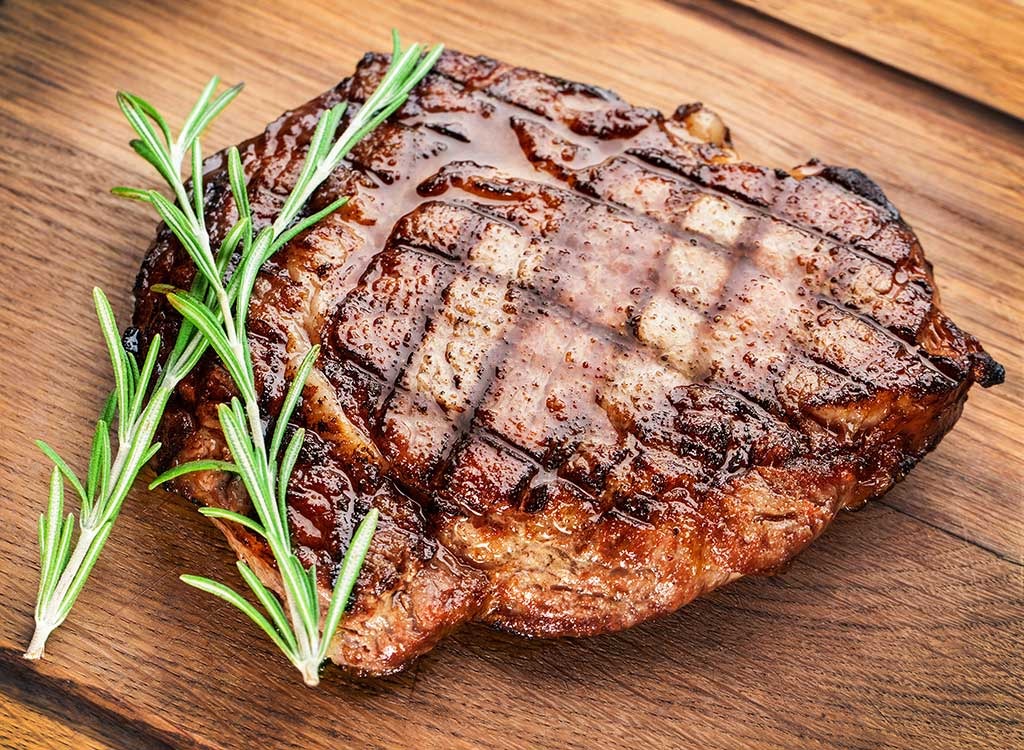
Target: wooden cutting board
x,y
902,627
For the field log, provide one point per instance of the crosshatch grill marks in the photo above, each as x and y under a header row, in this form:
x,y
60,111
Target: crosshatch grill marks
x,y
868,283
543,397
697,280
811,203
831,272
422,416
631,288
823,258
446,228
849,283
706,221
529,395
398,399
601,271
665,323
377,324
492,245
412,413
435,399
873,264
710,216
866,287
597,259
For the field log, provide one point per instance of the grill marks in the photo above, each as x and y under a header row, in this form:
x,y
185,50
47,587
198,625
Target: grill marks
x,y
586,362
898,300
483,352
705,279
711,277
811,267
446,376
547,389
377,321
815,202
588,258
544,398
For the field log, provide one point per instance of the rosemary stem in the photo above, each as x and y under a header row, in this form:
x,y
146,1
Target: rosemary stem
x,y
141,439
182,197
229,320
305,651
172,376
248,389
252,411
37,646
116,468
48,618
310,669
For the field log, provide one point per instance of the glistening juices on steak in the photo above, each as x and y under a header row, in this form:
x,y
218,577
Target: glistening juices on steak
x,y
587,363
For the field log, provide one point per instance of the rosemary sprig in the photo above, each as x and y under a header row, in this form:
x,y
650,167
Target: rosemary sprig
x,y
65,562
305,633
215,313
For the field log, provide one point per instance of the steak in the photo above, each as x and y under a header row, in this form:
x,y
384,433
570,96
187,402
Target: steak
x,y
586,362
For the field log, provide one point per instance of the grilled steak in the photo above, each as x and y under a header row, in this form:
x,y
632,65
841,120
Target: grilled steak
x,y
586,362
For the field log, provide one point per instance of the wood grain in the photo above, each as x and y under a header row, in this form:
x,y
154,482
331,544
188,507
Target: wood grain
x,y
21,728
974,48
40,712
900,628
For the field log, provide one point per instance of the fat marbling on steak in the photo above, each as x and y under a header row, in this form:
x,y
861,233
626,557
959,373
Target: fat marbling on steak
x,y
587,363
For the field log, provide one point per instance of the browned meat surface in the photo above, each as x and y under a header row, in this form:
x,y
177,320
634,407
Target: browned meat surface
x,y
586,362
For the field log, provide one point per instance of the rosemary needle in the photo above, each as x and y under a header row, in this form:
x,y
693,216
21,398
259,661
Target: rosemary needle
x,y
215,313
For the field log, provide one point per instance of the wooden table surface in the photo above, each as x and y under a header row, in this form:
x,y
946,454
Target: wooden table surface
x,y
902,627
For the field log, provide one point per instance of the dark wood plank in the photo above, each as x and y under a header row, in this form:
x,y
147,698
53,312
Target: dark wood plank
x,y
40,712
21,728
889,632
975,48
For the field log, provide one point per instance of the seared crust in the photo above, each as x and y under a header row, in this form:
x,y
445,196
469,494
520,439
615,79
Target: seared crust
x,y
587,363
